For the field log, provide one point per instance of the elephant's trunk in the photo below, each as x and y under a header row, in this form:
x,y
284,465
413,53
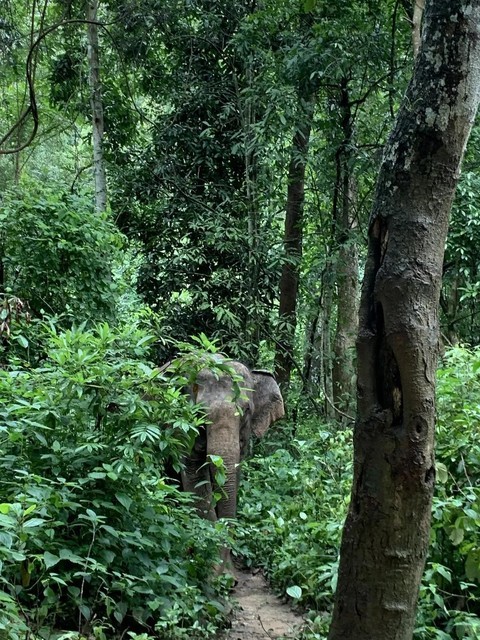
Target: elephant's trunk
x,y
223,440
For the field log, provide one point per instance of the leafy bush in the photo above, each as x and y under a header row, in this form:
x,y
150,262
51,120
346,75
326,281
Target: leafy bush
x,y
58,253
450,594
91,536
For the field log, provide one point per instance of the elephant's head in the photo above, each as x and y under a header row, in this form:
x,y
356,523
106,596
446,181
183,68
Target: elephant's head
x,y
231,418
267,402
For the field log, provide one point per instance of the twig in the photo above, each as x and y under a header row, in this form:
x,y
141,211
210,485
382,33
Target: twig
x,y
261,623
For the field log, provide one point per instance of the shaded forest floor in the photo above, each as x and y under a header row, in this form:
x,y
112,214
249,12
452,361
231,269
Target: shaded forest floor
x,y
260,614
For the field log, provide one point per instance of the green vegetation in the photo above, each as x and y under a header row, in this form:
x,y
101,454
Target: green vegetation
x,y
203,106
92,536
296,538
59,255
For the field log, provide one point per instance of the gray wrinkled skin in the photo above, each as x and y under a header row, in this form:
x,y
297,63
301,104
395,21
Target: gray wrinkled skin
x,y
231,421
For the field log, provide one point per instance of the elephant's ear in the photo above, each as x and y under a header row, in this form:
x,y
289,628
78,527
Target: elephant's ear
x,y
267,400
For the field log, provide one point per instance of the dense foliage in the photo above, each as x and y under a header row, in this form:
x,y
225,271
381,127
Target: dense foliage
x,y
203,102
92,536
58,254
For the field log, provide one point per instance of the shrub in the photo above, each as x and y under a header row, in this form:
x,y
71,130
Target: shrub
x,y
450,593
292,506
58,253
91,535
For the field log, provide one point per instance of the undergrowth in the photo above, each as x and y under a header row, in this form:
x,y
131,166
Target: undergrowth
x,y
93,541
295,498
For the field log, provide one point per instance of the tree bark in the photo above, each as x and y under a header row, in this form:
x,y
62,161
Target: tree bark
x,y
293,238
343,370
386,533
418,9
343,379
96,103
326,352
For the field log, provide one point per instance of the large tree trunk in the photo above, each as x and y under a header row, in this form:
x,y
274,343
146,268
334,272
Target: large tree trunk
x,y
386,533
97,108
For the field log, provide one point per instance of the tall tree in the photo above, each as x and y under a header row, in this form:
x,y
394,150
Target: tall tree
x,y
201,217
289,281
97,107
386,533
356,92
347,260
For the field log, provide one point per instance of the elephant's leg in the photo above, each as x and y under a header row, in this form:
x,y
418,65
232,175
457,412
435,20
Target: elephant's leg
x,y
196,478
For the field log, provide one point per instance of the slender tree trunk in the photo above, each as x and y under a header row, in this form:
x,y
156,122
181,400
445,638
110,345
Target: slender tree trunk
x,y
248,117
252,325
311,344
343,370
386,533
449,301
317,358
293,234
343,378
293,238
418,9
326,345
97,108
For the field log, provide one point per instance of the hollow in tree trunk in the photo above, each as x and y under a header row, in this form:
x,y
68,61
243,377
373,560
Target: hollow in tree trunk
x,y
386,533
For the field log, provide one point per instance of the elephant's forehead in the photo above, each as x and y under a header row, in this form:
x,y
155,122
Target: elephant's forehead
x,y
209,379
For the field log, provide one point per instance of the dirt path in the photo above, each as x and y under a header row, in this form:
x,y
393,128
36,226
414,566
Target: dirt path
x,y
260,614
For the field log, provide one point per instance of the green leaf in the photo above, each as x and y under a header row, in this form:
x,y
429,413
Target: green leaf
x,y
86,612
124,500
66,554
22,341
294,592
50,559
33,522
29,509
443,571
97,475
441,472
457,536
216,460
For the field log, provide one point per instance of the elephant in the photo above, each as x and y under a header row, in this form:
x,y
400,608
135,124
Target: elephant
x,y
230,421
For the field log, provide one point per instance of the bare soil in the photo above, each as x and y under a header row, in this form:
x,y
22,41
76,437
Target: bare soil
x,y
260,615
